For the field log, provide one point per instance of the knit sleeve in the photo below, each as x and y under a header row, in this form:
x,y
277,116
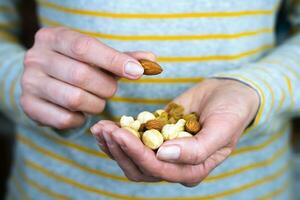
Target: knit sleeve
x,y
11,69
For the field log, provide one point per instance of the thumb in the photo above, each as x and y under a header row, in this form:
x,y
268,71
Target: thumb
x,y
216,133
142,55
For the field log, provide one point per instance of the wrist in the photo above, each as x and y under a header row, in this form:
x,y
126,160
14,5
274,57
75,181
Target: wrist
x,y
250,94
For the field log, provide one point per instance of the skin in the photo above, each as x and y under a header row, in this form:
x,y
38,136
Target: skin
x,y
67,75
226,108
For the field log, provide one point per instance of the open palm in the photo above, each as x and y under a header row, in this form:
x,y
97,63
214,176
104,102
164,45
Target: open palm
x,y
225,107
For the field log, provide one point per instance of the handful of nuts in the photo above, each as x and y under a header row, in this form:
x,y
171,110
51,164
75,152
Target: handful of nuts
x,y
155,128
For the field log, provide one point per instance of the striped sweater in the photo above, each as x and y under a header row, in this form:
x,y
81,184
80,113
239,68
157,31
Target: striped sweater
x,y
193,39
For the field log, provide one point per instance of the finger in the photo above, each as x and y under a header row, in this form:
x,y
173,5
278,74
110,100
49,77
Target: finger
x,y
78,74
68,96
146,160
97,133
90,50
217,132
142,55
128,167
208,166
49,114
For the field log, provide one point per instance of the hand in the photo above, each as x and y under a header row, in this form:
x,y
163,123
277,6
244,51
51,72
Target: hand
x,y
226,107
67,74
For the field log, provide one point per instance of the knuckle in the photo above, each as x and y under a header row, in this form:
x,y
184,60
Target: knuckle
x,y
24,103
112,89
79,76
113,60
30,58
26,82
100,107
81,45
75,100
65,121
199,155
60,34
44,34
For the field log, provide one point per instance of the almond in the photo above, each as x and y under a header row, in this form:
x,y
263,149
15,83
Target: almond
x,y
155,124
150,68
192,126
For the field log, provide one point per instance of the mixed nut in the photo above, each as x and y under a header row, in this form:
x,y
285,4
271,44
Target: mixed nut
x,y
150,67
155,128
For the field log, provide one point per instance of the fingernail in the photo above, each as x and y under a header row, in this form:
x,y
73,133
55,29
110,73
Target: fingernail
x,y
108,139
96,129
168,153
133,69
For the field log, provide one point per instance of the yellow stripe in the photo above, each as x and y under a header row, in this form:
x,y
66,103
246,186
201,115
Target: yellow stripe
x,y
80,148
44,189
12,98
288,81
20,189
252,166
165,101
272,93
286,66
9,25
8,37
101,173
228,36
99,154
193,58
70,162
224,36
262,103
177,80
282,100
4,81
273,138
216,57
158,16
291,91
6,9
139,100
98,191
105,115
276,192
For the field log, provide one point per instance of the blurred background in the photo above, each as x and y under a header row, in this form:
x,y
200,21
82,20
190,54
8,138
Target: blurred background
x,y
7,135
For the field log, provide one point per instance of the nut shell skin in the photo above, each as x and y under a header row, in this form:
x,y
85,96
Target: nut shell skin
x,y
192,126
150,67
156,124
152,139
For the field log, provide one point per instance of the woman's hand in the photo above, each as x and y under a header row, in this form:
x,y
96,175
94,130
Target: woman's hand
x,y
226,107
67,74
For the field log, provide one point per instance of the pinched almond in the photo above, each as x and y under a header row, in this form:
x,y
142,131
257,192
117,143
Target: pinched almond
x,y
156,124
192,126
150,68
